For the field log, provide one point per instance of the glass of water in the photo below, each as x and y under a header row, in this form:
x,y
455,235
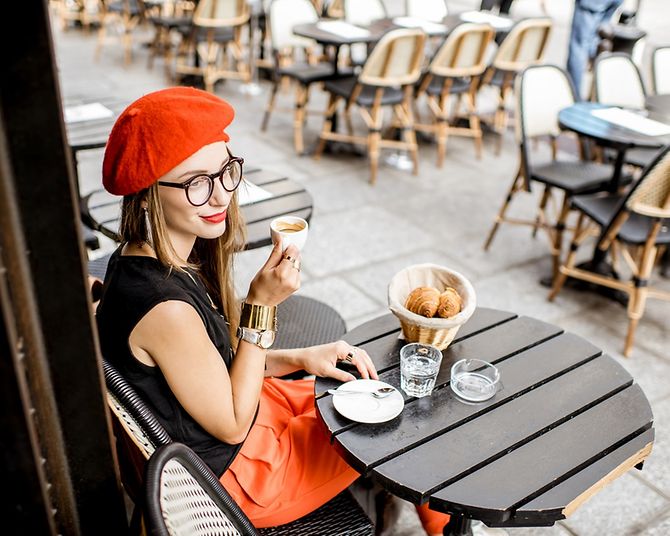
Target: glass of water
x,y
419,365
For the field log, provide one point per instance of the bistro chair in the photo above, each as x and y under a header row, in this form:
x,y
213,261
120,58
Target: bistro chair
x,y
430,10
660,70
363,12
121,17
456,69
283,16
387,79
138,434
541,92
632,227
524,45
167,18
184,498
617,81
213,48
84,12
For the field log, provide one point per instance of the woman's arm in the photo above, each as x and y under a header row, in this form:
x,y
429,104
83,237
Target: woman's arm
x,y
173,336
321,361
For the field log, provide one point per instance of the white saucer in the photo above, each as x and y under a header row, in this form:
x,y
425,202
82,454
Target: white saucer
x,y
365,407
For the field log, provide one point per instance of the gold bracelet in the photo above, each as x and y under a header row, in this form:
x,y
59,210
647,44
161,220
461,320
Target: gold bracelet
x,y
261,317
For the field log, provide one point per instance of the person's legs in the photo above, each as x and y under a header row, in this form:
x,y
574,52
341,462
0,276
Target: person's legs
x,y
582,36
286,467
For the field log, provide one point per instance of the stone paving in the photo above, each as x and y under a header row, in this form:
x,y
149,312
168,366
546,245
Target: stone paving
x,y
361,235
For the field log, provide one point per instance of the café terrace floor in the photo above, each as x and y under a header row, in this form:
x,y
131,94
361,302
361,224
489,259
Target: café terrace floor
x,y
360,235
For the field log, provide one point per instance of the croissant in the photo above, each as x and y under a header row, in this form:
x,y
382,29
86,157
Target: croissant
x,y
423,301
450,303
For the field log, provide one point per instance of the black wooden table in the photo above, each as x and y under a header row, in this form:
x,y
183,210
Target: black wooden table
x,y
102,211
567,421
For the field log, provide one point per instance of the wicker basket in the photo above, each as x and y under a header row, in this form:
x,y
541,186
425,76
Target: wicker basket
x,y
416,328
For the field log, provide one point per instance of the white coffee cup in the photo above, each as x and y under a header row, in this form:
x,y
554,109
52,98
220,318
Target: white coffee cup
x,y
290,230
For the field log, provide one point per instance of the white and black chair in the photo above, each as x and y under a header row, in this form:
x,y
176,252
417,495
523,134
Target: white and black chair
x,y
183,497
305,71
541,92
660,70
430,10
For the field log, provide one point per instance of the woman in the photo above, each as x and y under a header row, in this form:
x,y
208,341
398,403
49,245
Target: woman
x,y
169,321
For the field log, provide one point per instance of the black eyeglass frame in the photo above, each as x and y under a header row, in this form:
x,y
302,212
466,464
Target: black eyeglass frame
x,y
211,177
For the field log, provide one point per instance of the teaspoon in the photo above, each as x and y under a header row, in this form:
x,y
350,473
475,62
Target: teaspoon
x,y
381,392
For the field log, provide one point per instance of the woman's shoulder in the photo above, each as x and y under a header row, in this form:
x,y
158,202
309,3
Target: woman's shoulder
x,y
133,277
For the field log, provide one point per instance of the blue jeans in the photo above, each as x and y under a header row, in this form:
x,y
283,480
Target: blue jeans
x,y
588,16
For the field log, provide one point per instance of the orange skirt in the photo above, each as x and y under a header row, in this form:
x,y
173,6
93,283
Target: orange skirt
x,y
286,467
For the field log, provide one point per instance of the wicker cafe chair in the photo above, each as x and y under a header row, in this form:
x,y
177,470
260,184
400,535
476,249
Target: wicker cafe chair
x,y
541,92
123,16
430,10
183,497
167,18
387,79
216,30
138,434
633,227
283,16
456,69
617,81
524,45
660,70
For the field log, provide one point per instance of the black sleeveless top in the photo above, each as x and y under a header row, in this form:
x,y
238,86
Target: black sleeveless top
x,y
133,286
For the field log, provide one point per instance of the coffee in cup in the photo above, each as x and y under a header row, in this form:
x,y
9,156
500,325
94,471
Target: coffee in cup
x,y
290,229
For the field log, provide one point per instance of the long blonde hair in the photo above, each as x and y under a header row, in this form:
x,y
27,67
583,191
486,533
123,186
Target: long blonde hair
x,y
213,258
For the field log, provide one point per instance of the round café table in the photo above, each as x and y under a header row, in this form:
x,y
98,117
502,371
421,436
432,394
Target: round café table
x,y
579,119
567,421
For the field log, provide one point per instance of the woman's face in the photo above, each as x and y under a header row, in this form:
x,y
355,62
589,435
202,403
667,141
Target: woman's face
x,y
184,221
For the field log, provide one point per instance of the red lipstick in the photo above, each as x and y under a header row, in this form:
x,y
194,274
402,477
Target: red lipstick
x,y
215,218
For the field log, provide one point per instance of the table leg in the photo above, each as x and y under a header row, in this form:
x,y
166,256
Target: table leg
x,y
458,526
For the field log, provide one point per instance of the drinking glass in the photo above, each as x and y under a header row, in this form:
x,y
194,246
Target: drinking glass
x,y
419,365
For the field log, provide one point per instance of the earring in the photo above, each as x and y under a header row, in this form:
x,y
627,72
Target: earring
x,y
147,227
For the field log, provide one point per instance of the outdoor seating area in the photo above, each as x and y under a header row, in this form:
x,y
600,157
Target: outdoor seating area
x,y
416,138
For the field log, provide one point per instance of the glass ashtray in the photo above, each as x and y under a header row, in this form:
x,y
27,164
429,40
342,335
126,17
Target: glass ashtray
x,y
474,380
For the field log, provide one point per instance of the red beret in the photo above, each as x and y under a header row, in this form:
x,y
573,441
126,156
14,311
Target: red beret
x,y
159,131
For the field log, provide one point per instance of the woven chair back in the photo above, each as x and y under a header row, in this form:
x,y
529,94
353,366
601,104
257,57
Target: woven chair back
x,y
524,45
430,10
363,12
463,52
184,498
541,92
660,70
617,81
221,13
652,195
396,59
284,15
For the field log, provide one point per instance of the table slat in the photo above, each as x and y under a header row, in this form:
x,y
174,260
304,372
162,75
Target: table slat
x,y
570,492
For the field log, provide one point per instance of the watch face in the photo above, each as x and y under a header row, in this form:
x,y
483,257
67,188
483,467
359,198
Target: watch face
x,y
267,338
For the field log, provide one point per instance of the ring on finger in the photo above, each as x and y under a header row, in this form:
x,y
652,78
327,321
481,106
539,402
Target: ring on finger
x,y
349,358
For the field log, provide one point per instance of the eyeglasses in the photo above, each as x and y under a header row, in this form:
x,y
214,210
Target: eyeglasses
x,y
199,188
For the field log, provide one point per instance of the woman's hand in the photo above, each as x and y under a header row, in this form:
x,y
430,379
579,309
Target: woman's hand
x,y
277,279
321,361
